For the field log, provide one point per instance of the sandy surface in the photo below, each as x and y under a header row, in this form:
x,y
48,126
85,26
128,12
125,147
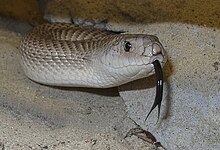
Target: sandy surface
x,y
190,113
34,116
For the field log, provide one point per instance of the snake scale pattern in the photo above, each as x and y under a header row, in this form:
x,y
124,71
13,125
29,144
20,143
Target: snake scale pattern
x,y
68,55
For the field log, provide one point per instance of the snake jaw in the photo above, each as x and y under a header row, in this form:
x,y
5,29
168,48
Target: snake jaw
x,y
158,57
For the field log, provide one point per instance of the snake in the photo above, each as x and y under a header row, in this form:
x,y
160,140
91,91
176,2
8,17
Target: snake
x,y
62,54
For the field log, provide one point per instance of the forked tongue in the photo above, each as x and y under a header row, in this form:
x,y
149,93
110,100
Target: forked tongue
x,y
159,88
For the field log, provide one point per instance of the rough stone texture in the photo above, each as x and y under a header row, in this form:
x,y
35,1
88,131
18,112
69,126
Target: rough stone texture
x,y
13,25
190,115
40,117
22,10
112,14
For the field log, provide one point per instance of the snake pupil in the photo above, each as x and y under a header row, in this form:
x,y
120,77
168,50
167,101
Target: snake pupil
x,y
127,46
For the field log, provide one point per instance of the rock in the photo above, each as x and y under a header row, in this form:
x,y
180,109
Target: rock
x,y
87,119
190,111
119,15
34,116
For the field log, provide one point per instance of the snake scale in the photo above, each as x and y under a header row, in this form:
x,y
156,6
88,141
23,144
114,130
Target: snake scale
x,y
62,54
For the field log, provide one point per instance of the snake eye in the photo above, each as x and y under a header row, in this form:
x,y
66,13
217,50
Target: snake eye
x,y
127,46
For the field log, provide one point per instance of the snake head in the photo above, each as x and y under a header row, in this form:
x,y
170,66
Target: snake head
x,y
130,56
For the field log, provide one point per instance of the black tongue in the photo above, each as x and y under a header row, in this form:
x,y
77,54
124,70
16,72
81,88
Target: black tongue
x,y
159,88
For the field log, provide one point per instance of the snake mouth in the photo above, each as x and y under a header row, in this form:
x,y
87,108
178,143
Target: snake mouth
x,y
158,57
159,88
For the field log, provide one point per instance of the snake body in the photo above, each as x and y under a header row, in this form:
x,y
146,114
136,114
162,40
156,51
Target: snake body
x,y
68,55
